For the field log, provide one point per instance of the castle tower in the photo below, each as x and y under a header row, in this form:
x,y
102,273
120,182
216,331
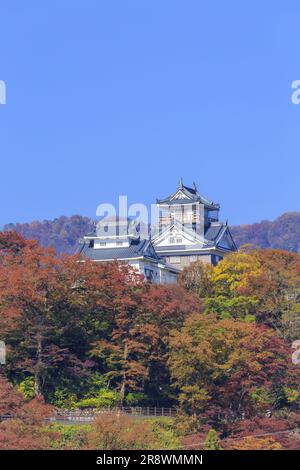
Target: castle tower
x,y
189,228
189,208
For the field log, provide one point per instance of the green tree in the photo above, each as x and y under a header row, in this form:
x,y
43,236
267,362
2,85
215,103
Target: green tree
x,y
212,441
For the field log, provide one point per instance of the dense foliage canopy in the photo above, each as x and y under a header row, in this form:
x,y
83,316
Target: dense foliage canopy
x,y
80,334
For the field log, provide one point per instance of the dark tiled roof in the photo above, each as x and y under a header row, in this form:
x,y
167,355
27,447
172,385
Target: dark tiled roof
x,y
191,194
136,249
174,202
213,231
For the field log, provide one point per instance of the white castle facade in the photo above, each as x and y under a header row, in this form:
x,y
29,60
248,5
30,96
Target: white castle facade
x,y
188,230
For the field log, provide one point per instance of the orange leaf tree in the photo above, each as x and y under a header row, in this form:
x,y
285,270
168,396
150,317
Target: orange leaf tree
x,y
226,370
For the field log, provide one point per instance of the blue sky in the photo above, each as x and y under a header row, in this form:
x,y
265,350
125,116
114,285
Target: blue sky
x,y
124,97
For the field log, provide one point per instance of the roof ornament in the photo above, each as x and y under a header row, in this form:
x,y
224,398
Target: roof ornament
x,y
194,186
180,185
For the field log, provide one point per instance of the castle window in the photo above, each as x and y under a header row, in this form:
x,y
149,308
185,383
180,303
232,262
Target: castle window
x,y
102,243
119,243
172,240
149,274
178,240
91,244
174,259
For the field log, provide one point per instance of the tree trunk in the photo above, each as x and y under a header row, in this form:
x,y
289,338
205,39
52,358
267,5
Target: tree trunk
x,y
124,378
37,379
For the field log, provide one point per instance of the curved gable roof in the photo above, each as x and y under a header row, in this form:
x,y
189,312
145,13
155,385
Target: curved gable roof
x,y
187,195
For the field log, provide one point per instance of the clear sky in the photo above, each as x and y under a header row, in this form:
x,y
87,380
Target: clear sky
x,y
124,97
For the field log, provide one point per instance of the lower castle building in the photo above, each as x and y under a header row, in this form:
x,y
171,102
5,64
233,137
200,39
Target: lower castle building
x,y
120,240
188,230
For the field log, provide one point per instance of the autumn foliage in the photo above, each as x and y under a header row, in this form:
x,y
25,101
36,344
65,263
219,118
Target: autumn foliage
x,y
227,370
65,320
282,233
23,429
81,334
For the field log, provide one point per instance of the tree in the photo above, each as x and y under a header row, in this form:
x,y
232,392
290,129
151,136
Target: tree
x,y
282,233
26,278
261,286
67,318
212,441
115,432
198,278
45,305
10,401
253,432
135,348
23,429
11,243
256,443
226,370
62,233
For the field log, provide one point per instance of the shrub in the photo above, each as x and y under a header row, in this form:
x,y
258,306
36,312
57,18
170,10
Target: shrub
x,y
64,399
26,387
105,399
135,399
212,441
255,443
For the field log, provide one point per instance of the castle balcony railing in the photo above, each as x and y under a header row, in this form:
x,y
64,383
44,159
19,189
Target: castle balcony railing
x,y
186,219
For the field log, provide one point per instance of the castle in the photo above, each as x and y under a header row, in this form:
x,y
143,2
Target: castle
x,y
188,230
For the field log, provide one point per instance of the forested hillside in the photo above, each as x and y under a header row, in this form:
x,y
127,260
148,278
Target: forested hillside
x,y
63,233
282,233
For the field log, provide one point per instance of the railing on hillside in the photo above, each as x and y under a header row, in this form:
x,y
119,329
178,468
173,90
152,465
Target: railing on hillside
x,y
90,414
5,417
